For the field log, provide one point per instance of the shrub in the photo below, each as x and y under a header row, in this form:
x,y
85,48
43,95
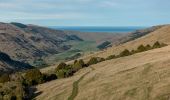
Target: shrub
x,y
148,47
49,77
69,72
82,62
100,59
93,60
133,51
12,91
110,57
4,78
141,48
156,45
125,53
60,73
77,66
33,77
61,66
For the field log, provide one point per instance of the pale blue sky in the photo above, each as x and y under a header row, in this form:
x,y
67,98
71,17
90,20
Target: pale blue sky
x,y
86,12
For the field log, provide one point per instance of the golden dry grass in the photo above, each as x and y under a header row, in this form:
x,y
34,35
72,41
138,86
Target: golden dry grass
x,y
143,76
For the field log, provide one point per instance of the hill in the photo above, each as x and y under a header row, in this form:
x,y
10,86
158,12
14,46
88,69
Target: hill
x,y
157,33
30,42
142,76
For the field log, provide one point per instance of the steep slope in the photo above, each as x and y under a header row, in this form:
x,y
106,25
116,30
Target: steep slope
x,y
29,42
143,76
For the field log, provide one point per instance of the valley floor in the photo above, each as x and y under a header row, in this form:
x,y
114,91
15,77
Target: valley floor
x,y
142,76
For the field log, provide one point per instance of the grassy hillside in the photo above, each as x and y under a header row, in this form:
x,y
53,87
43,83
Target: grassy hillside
x,y
143,76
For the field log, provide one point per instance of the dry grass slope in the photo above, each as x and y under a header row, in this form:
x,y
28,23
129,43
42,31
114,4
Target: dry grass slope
x,y
143,76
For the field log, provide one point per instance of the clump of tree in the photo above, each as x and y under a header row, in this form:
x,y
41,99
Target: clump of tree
x,y
148,47
12,91
4,78
33,77
63,70
110,57
140,48
158,45
125,52
78,65
48,77
95,60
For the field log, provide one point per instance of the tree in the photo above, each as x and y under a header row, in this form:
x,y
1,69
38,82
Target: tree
x,y
61,66
82,62
4,78
156,45
60,73
33,77
78,65
49,77
133,51
148,47
93,60
125,53
110,57
141,48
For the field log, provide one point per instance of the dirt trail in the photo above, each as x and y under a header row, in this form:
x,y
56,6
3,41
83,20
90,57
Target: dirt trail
x,y
76,86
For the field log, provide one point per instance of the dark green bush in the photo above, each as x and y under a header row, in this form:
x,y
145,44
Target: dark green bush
x,y
141,48
12,91
4,78
33,77
61,66
49,77
77,66
60,73
110,57
148,47
124,53
93,60
156,45
133,51
82,62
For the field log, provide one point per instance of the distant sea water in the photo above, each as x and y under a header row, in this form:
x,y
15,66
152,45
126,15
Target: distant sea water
x,y
99,29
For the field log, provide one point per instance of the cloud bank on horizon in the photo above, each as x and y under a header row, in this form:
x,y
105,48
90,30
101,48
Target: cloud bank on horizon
x,y
86,12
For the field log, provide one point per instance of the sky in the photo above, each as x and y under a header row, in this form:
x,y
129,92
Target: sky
x,y
86,12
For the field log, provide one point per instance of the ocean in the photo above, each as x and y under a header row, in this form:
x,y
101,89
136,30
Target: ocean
x,y
99,29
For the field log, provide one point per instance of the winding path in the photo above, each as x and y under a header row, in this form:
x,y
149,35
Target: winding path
x,y
76,86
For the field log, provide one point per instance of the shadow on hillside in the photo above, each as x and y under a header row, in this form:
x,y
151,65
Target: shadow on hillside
x,y
32,93
17,65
